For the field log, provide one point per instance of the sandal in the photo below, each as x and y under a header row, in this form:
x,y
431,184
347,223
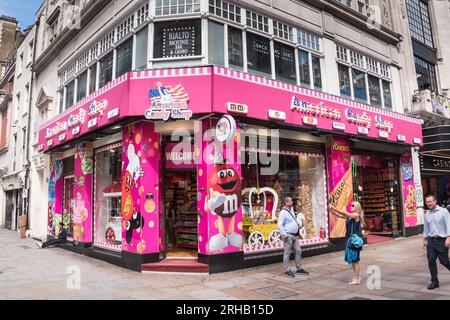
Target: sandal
x,y
355,282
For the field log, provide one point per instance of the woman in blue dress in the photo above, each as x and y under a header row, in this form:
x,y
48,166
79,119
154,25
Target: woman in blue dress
x,y
354,225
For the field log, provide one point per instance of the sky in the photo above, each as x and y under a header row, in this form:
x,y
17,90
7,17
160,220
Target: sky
x,y
23,10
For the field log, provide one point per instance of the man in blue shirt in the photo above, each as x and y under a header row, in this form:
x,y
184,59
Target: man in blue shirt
x,y
289,226
436,237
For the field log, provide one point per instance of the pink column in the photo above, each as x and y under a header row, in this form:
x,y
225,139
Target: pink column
x,y
340,182
220,229
55,194
82,193
141,193
409,191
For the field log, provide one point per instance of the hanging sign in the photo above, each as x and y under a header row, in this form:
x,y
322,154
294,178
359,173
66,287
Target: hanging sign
x,y
226,129
401,137
339,126
383,134
362,130
168,102
310,121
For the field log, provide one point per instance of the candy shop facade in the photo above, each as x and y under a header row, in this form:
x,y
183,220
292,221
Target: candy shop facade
x,y
187,168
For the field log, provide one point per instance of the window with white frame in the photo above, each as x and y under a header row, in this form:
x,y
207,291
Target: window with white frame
x,y
107,42
257,21
141,49
82,86
308,40
216,41
124,57
285,63
225,10
258,55
106,69
142,14
363,79
70,94
125,28
283,31
168,7
92,78
235,48
178,39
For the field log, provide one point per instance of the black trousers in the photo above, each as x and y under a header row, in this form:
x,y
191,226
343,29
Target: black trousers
x,y
436,249
53,242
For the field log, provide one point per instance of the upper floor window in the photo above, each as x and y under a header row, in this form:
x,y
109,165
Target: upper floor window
x,y
283,31
168,7
225,10
178,39
124,57
363,79
419,21
257,21
426,74
258,54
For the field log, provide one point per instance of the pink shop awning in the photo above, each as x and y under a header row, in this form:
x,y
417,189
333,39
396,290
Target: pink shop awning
x,y
219,90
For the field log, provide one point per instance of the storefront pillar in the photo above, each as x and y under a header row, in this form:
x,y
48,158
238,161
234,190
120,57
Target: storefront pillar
x,y
412,196
55,194
340,183
82,194
219,175
142,210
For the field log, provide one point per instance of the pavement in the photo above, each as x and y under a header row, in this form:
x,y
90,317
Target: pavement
x,y
395,269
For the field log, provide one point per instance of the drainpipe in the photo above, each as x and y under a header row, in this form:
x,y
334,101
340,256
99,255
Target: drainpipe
x,y
30,106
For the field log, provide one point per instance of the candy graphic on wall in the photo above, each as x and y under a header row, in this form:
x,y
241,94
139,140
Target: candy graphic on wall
x,y
132,219
80,214
54,187
224,199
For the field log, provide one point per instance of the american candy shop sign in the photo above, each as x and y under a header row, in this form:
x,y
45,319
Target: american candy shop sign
x,y
168,102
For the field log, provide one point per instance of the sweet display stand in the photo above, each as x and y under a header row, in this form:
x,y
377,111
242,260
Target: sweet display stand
x,y
260,222
113,214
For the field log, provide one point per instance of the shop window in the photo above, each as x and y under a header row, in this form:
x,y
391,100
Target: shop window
x,y
141,49
285,63
300,176
258,54
108,197
375,91
178,39
216,41
106,69
70,94
344,81
387,95
303,58
359,85
61,101
317,72
124,57
235,48
82,86
93,78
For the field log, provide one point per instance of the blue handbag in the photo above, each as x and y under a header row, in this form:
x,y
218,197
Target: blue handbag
x,y
355,241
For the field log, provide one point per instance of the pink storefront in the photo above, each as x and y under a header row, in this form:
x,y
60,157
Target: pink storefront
x,y
188,168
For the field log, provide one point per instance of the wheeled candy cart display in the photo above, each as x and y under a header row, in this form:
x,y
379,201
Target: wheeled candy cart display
x,y
259,217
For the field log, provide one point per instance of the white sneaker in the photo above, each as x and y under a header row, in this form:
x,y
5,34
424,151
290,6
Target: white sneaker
x,y
235,240
39,245
217,242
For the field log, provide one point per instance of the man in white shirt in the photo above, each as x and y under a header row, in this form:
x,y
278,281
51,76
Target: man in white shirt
x,y
436,238
289,226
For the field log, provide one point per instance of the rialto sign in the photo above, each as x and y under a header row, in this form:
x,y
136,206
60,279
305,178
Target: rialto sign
x,y
94,110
